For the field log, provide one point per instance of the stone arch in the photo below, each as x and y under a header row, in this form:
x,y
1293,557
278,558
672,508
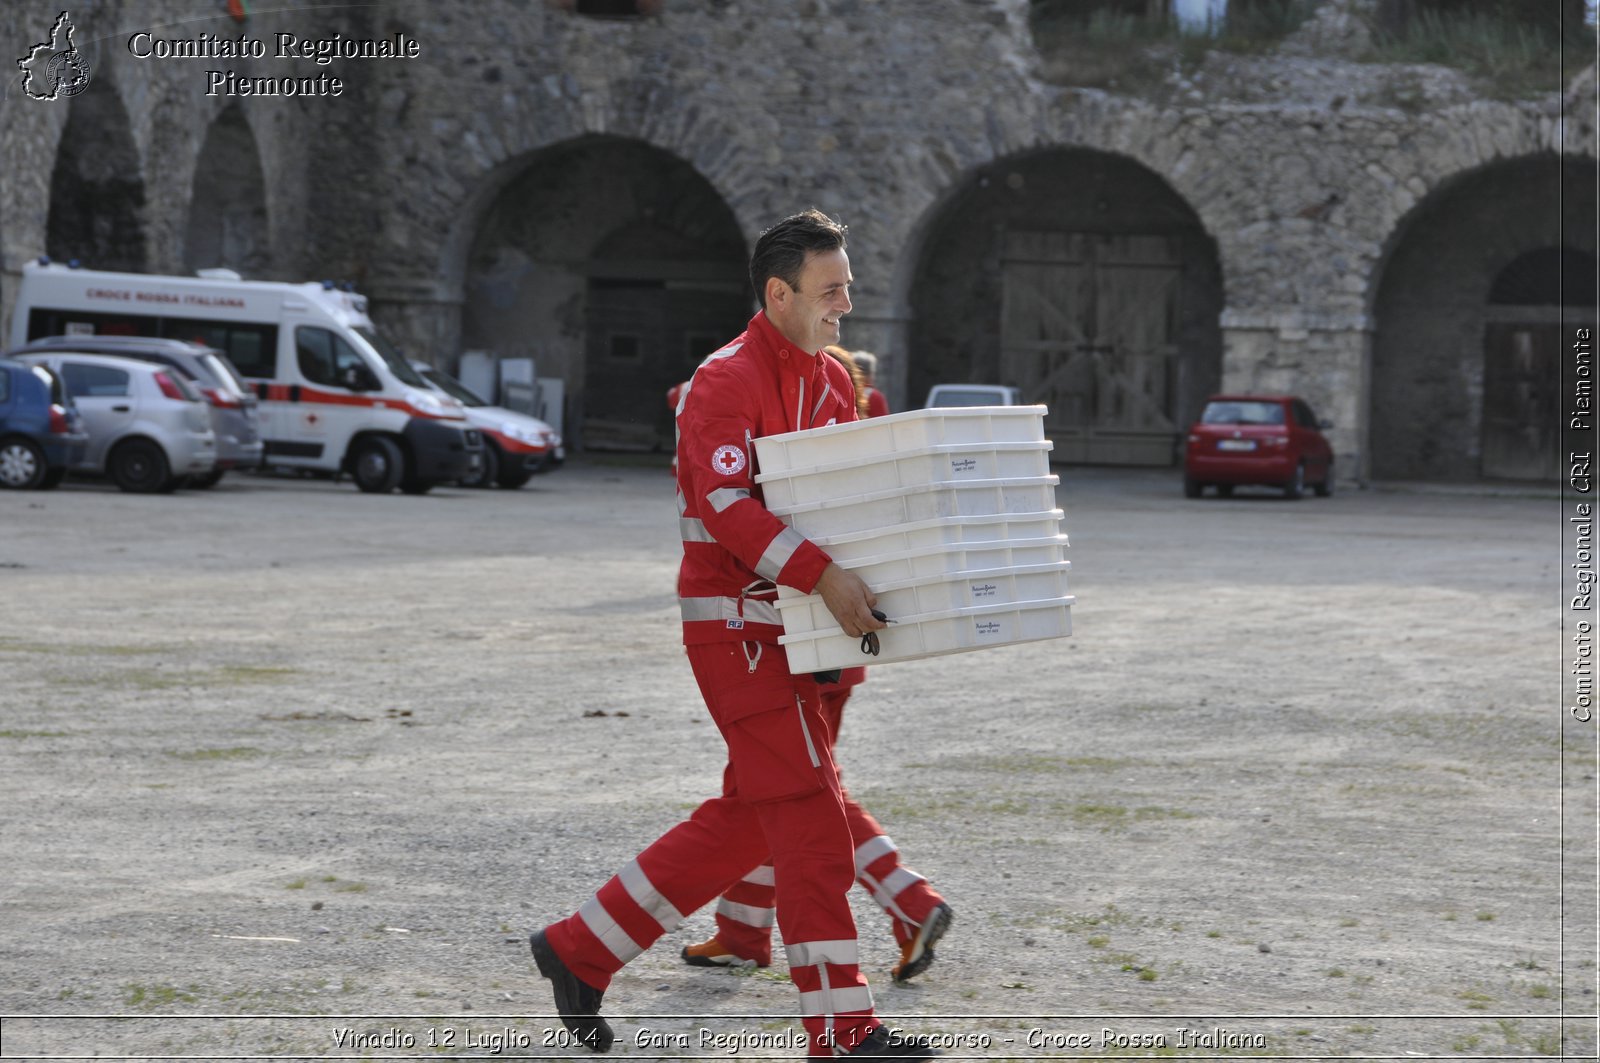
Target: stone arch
x,y
97,209
614,265
228,224
1464,385
1082,277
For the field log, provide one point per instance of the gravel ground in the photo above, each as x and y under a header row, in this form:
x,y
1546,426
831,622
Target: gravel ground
x,y
289,770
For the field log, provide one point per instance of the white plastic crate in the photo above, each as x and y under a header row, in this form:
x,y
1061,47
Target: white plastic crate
x,y
869,473
912,430
911,505
929,535
949,561
937,594
933,635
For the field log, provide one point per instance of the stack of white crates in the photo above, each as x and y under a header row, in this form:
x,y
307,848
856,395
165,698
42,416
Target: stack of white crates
x,y
948,514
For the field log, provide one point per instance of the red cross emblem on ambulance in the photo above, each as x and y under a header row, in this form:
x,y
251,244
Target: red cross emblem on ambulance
x,y
728,460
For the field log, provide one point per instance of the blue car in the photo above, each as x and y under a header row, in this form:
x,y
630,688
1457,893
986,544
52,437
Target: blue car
x,y
41,432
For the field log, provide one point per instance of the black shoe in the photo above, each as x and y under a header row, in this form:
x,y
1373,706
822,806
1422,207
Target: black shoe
x,y
884,1043
916,955
577,1002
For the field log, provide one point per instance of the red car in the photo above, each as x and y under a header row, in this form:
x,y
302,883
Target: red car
x,y
1271,440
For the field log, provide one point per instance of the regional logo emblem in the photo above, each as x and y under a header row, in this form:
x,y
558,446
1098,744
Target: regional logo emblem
x,y
55,69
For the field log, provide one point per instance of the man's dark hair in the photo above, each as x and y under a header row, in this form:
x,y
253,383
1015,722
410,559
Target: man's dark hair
x,y
781,251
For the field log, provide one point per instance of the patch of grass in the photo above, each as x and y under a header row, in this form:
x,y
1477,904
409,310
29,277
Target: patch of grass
x,y
1505,58
297,884
1466,1043
132,679
1335,972
1475,999
34,734
1098,941
1347,921
1541,991
1546,1044
1485,917
231,753
149,997
350,887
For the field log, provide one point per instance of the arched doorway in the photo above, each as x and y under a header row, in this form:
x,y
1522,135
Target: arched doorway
x,y
97,200
616,267
228,209
1084,280
1468,313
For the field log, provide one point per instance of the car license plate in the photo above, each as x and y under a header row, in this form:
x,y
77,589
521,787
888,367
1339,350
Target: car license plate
x,y
1236,444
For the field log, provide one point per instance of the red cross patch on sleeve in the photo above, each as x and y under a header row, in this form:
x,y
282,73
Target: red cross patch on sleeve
x,y
728,460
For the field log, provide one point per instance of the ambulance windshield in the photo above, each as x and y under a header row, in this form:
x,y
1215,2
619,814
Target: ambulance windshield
x,y
392,358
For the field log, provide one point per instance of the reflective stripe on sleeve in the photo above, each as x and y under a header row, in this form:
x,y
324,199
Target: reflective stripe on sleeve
x,y
693,530
778,553
723,497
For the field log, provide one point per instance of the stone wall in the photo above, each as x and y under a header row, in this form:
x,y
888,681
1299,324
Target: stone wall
x,y
1299,164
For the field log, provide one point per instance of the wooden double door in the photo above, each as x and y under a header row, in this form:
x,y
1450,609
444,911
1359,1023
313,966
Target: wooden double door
x,y
1089,327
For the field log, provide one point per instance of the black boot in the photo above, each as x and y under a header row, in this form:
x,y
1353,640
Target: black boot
x,y
577,1002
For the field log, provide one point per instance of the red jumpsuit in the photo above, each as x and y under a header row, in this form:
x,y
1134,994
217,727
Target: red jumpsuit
x,y
745,913
781,791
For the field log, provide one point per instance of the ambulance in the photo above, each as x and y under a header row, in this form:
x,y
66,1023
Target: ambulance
x,y
335,396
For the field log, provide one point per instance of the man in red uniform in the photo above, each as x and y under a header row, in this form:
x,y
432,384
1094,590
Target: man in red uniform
x,y
780,789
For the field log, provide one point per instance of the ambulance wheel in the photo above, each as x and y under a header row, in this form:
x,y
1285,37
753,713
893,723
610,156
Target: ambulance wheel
x,y
377,465
487,472
140,467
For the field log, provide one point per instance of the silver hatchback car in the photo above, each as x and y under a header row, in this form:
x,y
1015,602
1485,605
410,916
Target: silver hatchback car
x,y
149,429
235,414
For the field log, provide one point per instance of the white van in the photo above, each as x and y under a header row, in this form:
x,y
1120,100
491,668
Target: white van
x,y
335,397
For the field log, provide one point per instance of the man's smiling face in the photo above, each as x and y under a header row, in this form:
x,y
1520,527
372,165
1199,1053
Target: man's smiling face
x,y
808,314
